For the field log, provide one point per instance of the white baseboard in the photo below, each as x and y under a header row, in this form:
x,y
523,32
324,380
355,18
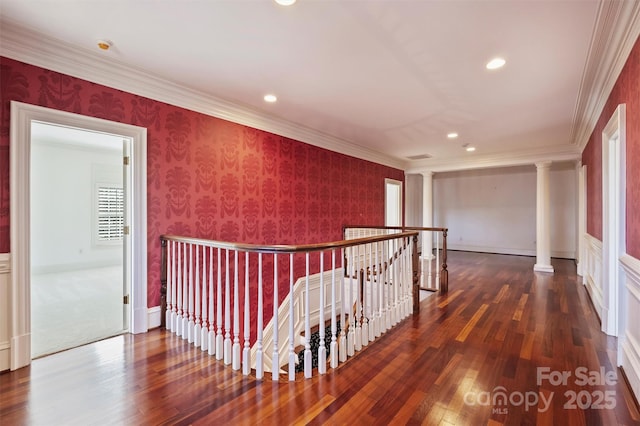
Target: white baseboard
x,y
512,251
20,351
154,317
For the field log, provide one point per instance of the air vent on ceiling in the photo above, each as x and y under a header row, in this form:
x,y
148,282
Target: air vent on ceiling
x,y
419,157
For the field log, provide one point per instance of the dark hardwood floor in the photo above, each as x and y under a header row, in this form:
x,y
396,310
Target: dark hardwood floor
x,y
498,325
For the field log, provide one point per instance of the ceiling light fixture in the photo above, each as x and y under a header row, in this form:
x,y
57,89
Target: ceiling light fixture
x,y
270,98
104,44
495,63
285,2
470,148
452,135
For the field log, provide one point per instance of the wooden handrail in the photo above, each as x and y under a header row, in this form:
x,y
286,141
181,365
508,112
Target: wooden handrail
x,y
286,248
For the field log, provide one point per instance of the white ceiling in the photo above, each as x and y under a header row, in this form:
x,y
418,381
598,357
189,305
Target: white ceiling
x,y
390,77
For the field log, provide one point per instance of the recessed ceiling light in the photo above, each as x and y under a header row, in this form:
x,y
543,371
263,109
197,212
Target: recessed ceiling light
x,y
270,98
470,148
452,135
495,63
285,2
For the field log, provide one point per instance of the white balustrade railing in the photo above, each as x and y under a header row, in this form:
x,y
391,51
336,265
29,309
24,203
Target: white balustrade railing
x,y
433,276
256,308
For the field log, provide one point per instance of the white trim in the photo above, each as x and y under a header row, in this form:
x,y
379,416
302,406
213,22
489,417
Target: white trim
x,y
616,31
629,348
613,215
399,184
592,278
558,254
35,48
154,317
520,158
5,318
21,117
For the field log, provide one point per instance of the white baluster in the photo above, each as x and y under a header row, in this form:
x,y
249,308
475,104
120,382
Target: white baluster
x,y
219,337
174,292
378,290
437,283
429,255
191,323
211,341
389,289
236,316
185,295
333,349
169,301
396,282
246,360
307,325
204,343
227,310
342,342
358,313
423,247
197,326
177,323
368,333
322,350
259,354
292,354
352,319
275,360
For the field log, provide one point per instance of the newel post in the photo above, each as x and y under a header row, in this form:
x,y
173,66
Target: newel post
x,y
163,282
415,264
444,274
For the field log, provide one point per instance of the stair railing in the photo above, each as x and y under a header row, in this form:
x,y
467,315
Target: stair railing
x,y
219,295
430,240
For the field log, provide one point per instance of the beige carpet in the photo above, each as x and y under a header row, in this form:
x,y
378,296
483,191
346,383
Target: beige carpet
x,y
70,309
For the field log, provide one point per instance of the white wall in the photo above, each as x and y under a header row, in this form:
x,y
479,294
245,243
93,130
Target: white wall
x,y
63,181
494,210
413,200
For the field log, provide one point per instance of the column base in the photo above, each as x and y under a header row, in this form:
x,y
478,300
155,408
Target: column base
x,y
543,268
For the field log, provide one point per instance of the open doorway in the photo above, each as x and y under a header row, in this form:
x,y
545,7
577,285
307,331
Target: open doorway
x,y
78,285
393,202
134,264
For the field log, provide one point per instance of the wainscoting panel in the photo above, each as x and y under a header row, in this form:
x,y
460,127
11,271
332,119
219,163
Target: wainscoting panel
x,y
629,357
592,277
5,317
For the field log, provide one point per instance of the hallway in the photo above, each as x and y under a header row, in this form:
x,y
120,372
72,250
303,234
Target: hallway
x,y
500,325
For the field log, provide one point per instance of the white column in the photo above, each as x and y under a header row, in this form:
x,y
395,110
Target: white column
x,y
427,214
543,219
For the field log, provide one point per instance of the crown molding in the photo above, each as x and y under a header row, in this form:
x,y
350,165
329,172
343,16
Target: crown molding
x,y
29,46
530,157
616,30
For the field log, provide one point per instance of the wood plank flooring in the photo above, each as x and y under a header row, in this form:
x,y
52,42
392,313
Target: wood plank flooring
x,y
498,324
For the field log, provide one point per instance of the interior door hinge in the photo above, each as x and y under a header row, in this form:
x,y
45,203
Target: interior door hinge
x,y
125,299
126,230
126,161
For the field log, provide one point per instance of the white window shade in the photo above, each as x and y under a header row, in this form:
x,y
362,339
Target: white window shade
x,y
110,213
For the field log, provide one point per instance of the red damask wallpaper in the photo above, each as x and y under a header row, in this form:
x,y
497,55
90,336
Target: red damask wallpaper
x,y
627,91
207,177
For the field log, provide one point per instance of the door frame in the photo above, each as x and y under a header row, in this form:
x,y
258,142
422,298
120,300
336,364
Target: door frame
x,y
613,220
397,183
135,245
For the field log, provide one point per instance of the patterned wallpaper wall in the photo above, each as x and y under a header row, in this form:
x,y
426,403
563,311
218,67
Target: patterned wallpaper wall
x,y
207,177
627,91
